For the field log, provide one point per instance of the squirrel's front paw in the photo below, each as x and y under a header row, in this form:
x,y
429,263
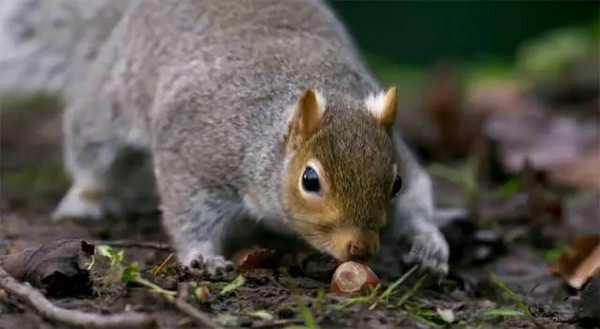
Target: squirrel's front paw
x,y
430,251
213,265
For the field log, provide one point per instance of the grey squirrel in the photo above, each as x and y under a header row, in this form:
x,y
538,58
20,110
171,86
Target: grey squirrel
x,y
228,113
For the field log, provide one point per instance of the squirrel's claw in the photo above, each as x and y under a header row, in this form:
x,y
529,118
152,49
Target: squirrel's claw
x,y
214,265
430,251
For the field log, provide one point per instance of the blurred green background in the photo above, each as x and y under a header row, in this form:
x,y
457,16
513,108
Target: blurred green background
x,y
418,32
490,37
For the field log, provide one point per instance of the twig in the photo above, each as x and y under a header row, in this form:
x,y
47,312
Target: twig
x,y
182,305
116,243
161,267
133,244
278,322
200,318
4,299
183,291
72,317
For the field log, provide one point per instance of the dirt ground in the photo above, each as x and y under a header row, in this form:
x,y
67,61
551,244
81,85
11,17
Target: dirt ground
x,y
511,248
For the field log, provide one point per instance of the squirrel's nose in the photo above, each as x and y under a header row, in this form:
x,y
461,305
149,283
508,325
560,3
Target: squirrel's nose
x,y
358,253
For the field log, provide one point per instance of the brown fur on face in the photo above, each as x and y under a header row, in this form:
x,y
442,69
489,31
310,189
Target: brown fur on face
x,y
355,153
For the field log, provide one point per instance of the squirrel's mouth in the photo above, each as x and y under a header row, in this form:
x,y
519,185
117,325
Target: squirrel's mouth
x,y
352,245
341,243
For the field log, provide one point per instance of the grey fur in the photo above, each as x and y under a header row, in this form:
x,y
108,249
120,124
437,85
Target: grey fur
x,y
203,91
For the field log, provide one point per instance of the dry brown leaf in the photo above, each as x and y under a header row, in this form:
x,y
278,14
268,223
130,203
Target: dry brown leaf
x,y
253,258
584,173
562,145
54,267
578,264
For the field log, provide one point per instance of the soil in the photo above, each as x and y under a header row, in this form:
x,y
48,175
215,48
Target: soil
x,y
33,182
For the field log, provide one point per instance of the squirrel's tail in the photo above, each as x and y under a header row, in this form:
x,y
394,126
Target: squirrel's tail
x,y
33,45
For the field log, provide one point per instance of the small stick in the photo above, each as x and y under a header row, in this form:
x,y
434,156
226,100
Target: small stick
x,y
71,317
182,305
162,266
4,299
183,292
278,322
116,243
134,244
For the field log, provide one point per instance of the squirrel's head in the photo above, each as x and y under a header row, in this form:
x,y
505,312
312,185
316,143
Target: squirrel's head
x,y
341,173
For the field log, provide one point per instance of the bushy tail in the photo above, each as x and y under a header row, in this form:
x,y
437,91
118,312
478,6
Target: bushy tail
x,y
46,46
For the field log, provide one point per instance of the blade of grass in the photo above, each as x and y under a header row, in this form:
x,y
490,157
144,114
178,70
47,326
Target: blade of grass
x,y
502,312
412,290
387,292
356,300
305,312
398,282
320,298
512,295
162,266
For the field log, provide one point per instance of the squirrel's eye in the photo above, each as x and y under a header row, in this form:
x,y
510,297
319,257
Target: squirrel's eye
x,y
310,180
397,186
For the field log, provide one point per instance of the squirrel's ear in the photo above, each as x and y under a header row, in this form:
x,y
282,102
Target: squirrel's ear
x,y
383,107
308,115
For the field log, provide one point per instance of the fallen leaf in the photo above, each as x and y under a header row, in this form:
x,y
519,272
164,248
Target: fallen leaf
x,y
55,267
578,264
261,314
446,315
556,143
311,264
256,257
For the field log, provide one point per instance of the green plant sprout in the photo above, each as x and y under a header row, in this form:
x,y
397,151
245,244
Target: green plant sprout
x,y
131,272
513,296
305,312
233,286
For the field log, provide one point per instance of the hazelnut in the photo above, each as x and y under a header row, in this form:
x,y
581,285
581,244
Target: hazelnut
x,y
351,277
